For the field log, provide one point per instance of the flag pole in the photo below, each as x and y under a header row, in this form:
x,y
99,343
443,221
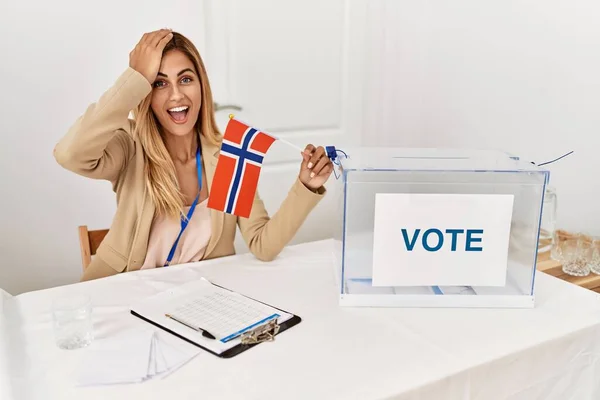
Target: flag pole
x,y
289,144
231,116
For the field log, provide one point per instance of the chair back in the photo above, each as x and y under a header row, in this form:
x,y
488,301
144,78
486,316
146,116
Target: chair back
x,y
89,241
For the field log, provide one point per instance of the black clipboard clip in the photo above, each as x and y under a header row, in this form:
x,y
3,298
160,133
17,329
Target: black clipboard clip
x,y
262,333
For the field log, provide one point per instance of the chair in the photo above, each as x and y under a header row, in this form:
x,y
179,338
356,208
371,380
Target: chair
x,y
89,242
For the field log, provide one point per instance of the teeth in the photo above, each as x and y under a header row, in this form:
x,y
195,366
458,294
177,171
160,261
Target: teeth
x,y
183,108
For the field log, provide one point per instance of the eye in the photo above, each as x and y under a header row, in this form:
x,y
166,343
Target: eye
x,y
186,79
159,84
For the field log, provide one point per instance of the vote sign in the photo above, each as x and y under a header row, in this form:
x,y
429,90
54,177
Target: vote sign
x,y
441,239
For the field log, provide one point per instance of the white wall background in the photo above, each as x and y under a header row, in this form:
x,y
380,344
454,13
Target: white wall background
x,y
514,75
519,76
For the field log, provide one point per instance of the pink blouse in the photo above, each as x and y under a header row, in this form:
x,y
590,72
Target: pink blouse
x,y
192,243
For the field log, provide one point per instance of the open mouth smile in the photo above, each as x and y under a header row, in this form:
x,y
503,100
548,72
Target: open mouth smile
x,y
178,114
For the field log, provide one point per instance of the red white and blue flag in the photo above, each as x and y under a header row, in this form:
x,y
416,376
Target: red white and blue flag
x,y
236,176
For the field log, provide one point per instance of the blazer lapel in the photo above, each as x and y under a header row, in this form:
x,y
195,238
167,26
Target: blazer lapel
x,y
210,155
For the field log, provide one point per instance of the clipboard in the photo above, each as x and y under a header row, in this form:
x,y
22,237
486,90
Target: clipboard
x,y
263,332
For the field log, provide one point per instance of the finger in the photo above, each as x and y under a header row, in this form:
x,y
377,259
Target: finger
x,y
159,36
327,170
320,164
148,37
145,37
152,39
316,156
309,149
306,154
163,42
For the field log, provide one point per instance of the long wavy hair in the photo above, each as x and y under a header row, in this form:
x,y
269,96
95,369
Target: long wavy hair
x,y
161,178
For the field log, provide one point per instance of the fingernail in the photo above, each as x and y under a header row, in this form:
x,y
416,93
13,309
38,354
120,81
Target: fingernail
x,y
310,165
312,174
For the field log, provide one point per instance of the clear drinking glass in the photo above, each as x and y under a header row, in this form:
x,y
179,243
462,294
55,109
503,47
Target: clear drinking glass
x,y
595,262
73,326
558,243
576,257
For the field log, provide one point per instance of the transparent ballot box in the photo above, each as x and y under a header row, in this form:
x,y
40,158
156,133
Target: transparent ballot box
x,y
437,228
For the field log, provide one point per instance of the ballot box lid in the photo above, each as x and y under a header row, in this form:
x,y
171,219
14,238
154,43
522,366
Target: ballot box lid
x,y
432,159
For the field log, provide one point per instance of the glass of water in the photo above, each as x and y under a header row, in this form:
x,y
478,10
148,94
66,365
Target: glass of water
x,y
73,326
576,255
595,263
558,243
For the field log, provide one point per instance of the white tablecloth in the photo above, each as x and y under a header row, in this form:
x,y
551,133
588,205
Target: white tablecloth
x,y
549,352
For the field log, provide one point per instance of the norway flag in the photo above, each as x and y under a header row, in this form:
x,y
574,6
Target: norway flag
x,y
238,168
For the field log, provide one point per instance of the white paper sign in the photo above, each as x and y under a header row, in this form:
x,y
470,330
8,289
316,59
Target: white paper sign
x,y
441,239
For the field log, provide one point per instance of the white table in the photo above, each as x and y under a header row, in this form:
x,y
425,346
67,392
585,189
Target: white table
x,y
549,352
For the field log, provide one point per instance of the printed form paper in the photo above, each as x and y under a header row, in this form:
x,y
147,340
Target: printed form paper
x,y
200,304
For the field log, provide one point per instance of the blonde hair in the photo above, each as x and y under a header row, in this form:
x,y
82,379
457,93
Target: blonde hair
x,y
161,178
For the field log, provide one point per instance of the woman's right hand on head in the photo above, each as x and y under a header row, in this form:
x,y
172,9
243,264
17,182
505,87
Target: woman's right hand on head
x,y
146,56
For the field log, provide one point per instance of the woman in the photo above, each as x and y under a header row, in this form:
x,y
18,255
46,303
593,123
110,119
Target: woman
x,y
162,162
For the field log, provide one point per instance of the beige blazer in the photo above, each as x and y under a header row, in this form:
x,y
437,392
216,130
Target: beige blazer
x,y
100,145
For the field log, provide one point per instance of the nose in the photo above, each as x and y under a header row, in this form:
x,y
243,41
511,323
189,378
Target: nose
x,y
175,94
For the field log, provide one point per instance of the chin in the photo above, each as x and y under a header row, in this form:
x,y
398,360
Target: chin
x,y
178,130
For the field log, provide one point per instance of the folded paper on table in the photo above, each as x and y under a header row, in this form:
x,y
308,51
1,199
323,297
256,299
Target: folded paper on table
x,y
132,357
188,310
